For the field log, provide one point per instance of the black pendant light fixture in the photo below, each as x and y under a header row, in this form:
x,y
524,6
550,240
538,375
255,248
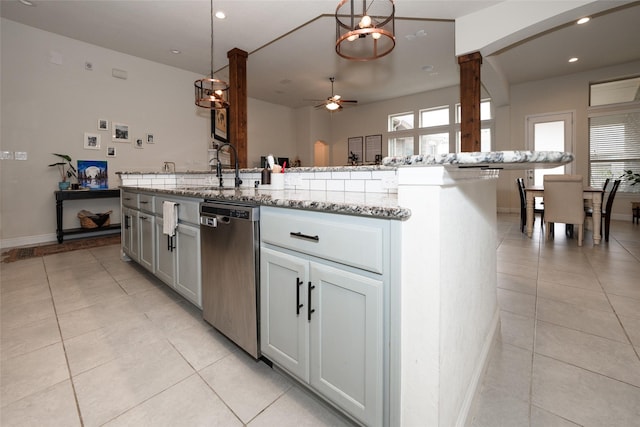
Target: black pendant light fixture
x,y
211,93
365,29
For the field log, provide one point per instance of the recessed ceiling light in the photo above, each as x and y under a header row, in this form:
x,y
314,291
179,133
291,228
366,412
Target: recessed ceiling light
x,y
574,59
175,51
27,3
220,14
583,20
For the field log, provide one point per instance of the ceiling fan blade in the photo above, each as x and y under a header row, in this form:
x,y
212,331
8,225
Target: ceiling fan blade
x,y
352,101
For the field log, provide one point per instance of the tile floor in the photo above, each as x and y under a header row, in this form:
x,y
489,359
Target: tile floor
x,y
90,340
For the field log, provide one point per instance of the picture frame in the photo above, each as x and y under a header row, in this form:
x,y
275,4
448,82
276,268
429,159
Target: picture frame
x,y
138,143
111,151
120,132
92,174
220,124
372,148
103,124
91,141
354,150
149,138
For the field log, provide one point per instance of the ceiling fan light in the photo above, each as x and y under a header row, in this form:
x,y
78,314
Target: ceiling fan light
x,y
332,106
354,23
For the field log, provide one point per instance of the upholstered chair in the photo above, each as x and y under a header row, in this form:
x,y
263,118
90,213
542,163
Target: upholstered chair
x,y
564,202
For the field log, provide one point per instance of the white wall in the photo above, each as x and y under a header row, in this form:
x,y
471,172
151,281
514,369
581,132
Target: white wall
x,y
47,107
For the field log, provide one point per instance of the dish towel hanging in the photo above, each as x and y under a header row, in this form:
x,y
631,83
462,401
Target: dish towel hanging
x,y
170,218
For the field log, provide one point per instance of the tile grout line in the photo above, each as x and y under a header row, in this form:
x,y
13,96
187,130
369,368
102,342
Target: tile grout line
x,y
64,348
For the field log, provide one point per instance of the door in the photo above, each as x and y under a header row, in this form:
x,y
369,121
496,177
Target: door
x,y
146,222
188,278
346,335
549,132
165,255
284,330
131,237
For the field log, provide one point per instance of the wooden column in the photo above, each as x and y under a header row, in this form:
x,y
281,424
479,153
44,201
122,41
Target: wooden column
x,y
470,101
238,103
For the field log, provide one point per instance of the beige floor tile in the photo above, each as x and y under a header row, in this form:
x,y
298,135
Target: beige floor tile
x,y
103,253
170,318
496,408
542,418
67,260
517,330
32,372
84,294
582,396
584,279
201,346
151,299
17,274
629,288
75,274
590,299
53,406
131,380
517,302
517,283
139,283
25,293
518,270
121,270
21,314
95,348
189,403
625,306
297,408
27,338
509,370
246,386
632,327
594,322
600,355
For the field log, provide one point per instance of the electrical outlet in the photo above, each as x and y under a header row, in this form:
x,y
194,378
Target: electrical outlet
x,y
6,155
389,182
20,155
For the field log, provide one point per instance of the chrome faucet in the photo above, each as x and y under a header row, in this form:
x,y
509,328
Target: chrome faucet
x,y
238,181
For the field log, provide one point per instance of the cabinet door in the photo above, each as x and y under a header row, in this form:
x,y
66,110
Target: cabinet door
x,y
284,330
188,274
147,231
346,336
165,256
131,237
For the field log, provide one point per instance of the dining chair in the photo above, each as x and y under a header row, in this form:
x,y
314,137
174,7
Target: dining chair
x,y
606,211
563,202
523,207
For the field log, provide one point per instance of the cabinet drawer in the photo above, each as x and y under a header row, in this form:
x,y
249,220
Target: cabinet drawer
x,y
145,202
349,240
188,209
130,199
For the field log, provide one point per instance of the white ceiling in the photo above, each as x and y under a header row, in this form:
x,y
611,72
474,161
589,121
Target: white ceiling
x,y
291,43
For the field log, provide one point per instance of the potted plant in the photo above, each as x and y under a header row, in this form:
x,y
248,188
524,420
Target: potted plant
x,y
66,169
633,178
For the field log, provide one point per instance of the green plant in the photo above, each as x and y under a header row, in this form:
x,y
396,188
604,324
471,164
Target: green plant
x,y
634,178
67,170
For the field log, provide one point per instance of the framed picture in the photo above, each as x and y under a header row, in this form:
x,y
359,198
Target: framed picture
x,y
111,151
91,141
120,132
220,124
138,143
92,174
372,148
354,148
103,124
149,138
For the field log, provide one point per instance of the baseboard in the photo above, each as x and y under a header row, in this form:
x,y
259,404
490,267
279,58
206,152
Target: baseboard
x,y
481,367
28,241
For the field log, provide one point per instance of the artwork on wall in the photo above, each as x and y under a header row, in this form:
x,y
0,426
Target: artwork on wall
x,y
111,151
92,174
138,143
354,148
220,124
103,124
91,141
120,132
149,138
373,148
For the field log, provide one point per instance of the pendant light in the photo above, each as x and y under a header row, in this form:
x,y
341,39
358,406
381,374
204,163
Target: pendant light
x,y
365,32
210,92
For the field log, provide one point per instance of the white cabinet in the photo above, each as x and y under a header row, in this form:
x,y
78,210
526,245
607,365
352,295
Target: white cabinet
x,y
146,256
165,257
130,236
322,321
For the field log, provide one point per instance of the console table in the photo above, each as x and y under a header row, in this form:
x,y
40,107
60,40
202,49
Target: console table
x,y
63,195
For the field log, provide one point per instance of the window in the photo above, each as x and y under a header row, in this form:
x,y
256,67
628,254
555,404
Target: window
x,y
485,125
434,144
438,116
403,121
614,131
401,147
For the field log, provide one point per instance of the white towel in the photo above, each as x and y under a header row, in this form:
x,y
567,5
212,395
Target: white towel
x,y
169,217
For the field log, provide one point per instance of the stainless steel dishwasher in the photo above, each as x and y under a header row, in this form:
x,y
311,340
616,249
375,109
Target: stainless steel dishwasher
x,y
229,237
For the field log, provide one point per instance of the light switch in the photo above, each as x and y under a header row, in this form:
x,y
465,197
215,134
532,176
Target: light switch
x,y
20,155
6,155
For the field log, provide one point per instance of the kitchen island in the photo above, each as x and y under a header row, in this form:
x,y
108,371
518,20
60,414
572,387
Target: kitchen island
x,y
439,299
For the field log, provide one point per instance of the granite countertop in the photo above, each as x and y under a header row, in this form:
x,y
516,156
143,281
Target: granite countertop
x,y
488,160
377,205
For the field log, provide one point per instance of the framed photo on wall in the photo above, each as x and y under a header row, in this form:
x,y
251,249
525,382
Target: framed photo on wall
x,y
354,148
149,138
111,151
91,141
103,124
372,148
120,132
220,124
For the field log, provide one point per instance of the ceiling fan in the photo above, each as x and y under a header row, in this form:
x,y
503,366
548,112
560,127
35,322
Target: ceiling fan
x,y
334,102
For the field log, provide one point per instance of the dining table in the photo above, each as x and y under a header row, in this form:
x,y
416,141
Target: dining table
x,y
592,194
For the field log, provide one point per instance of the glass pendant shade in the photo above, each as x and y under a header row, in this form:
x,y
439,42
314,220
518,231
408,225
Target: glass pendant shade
x,y
365,30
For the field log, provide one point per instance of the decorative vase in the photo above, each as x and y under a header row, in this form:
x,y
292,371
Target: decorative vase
x,y
63,185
